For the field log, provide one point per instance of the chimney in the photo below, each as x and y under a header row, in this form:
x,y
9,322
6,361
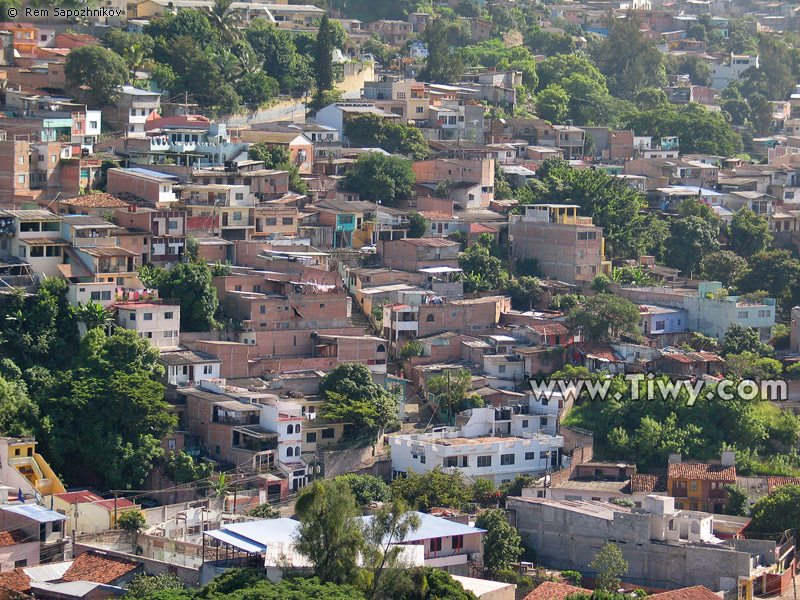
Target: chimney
x,y
728,458
675,458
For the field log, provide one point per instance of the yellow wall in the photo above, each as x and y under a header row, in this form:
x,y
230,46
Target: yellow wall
x,y
57,487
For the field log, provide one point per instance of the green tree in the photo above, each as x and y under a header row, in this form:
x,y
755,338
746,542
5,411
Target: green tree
x,y
553,70
225,20
440,66
777,272
330,534
651,99
189,23
777,512
690,239
352,396
525,292
605,315
388,525
738,109
190,283
409,349
740,339
628,60
92,314
323,56
738,500
143,585
483,271
610,566
552,104
502,545
600,283
264,511
723,266
374,131
132,520
431,489
450,390
366,488
749,233
182,468
95,73
749,365
379,177
274,157
359,414
417,225
18,415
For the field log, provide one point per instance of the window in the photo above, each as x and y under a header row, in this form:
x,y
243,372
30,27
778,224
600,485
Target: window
x,y
436,545
543,421
37,251
660,324
237,216
457,542
288,220
271,221
530,456
742,314
506,459
148,316
501,368
328,434
93,124
20,563
262,309
429,319
693,486
290,451
311,437
167,334
132,316
345,219
20,178
450,461
95,295
420,110
173,225
422,458
484,461
172,444
168,315
206,368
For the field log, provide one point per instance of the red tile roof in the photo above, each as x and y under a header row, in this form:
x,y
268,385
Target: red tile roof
x,y
552,590
481,228
96,201
15,536
79,496
642,482
436,214
15,580
99,568
775,482
701,471
697,592
109,504
598,350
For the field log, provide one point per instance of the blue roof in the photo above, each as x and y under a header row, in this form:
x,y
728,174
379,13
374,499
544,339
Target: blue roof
x,y
35,512
150,173
431,527
255,536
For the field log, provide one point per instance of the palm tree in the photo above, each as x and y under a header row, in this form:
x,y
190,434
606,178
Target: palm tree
x,y
225,19
92,314
136,58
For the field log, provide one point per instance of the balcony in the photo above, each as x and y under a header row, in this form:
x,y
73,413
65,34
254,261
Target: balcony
x,y
236,421
96,241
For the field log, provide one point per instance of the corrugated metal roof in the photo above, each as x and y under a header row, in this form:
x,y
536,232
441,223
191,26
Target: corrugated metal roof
x,y
436,527
236,541
48,572
35,512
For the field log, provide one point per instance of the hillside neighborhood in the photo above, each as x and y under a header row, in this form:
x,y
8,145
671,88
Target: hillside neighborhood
x,y
451,300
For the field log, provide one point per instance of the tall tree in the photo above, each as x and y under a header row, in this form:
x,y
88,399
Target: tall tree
x,y
628,60
225,19
390,524
778,511
95,73
605,315
323,57
440,66
502,545
379,177
610,566
330,533
434,488
190,283
690,239
749,233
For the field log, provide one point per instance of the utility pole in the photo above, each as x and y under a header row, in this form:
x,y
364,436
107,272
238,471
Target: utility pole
x,y
115,509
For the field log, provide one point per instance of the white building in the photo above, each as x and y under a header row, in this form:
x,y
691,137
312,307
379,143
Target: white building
x,y
723,75
102,292
37,240
189,367
157,323
494,444
437,542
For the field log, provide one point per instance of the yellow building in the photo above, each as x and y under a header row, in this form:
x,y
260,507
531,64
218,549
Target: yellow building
x,y
25,470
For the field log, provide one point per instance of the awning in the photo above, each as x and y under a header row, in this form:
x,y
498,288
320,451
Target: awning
x,y
236,541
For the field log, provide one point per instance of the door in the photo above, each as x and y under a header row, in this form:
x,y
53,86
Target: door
x,y
191,372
